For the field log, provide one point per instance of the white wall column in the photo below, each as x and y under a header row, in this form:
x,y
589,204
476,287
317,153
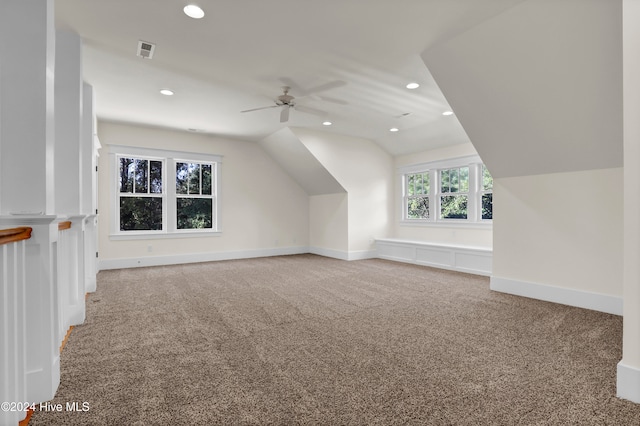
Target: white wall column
x,y
27,178
89,186
27,49
68,128
71,164
629,367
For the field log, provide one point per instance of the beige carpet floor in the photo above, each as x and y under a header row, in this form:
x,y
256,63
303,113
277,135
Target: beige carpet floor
x,y
316,341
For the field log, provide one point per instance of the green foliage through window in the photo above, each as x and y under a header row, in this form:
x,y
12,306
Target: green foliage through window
x,y
463,192
140,213
453,207
142,196
194,204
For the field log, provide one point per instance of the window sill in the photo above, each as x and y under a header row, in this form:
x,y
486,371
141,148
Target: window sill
x,y
163,235
447,223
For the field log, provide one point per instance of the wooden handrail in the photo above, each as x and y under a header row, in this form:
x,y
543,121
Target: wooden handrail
x,y
14,234
64,225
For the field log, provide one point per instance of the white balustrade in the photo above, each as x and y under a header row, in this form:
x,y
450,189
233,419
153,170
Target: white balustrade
x,y
13,322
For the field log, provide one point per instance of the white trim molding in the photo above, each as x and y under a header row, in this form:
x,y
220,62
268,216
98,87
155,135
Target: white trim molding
x,y
565,296
473,260
342,254
178,259
628,383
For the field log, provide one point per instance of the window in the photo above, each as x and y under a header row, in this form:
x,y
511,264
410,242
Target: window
x,y
147,203
417,198
140,195
487,194
452,191
194,200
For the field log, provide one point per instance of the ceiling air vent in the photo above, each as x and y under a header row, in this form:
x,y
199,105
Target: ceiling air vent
x,y
146,49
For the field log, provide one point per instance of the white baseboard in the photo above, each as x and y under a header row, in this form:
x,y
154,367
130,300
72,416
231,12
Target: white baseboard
x,y
565,296
342,254
474,260
628,383
137,262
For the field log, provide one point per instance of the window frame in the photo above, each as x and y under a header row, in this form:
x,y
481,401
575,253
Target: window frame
x,y
474,200
169,159
483,192
212,196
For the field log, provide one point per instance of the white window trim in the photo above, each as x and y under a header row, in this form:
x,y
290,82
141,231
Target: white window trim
x,y
474,205
169,159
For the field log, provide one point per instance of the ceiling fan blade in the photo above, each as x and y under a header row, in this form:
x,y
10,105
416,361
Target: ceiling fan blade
x,y
332,100
257,109
327,86
284,114
309,110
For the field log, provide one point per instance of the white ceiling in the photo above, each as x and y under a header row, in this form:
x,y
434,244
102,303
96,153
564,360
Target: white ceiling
x,y
240,54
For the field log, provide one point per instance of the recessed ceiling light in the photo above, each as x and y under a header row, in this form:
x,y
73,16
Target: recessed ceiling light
x,y
193,11
167,92
447,113
413,86
327,123
393,129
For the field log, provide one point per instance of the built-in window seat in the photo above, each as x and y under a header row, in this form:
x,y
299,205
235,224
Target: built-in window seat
x,y
474,260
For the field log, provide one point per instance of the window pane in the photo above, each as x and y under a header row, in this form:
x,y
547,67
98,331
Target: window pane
x,y
425,183
142,176
487,206
127,167
454,180
418,208
194,178
140,213
156,177
418,181
206,179
453,207
194,213
411,184
182,178
444,180
464,179
487,180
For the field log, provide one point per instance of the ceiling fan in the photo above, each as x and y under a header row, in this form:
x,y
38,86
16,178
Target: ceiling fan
x,y
286,101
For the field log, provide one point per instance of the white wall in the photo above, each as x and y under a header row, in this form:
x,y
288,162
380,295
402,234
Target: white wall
x,y
629,366
262,208
477,236
328,219
562,230
365,171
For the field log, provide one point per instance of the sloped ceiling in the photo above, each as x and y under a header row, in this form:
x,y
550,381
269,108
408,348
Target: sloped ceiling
x,y
240,54
287,150
538,88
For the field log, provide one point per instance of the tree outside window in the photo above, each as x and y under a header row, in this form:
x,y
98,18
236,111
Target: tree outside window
x,y
194,201
417,188
454,193
458,190
148,201
140,194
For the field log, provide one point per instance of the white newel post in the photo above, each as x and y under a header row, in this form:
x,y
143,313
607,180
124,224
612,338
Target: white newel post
x,y
27,181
